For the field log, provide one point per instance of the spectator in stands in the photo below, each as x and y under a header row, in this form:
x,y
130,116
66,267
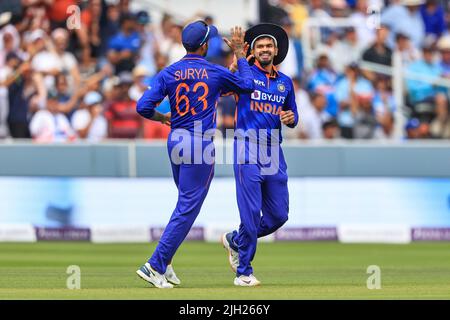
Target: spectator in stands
x,y
365,33
298,14
123,120
45,60
9,42
384,107
440,125
355,95
421,93
140,75
412,129
416,129
443,46
303,99
148,47
89,122
25,95
63,93
49,125
318,10
7,45
408,51
330,129
314,118
433,16
163,31
90,35
110,28
338,8
343,51
379,52
405,17
69,64
124,46
323,80
174,49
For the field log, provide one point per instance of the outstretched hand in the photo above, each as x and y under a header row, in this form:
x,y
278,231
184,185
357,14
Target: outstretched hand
x,y
237,43
233,66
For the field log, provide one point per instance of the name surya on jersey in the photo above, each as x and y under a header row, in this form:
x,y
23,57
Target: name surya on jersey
x,y
191,73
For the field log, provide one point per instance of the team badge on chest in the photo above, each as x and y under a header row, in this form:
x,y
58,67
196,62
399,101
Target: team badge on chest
x,y
281,87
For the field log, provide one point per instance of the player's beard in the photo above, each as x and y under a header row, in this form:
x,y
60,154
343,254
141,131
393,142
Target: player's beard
x,y
265,62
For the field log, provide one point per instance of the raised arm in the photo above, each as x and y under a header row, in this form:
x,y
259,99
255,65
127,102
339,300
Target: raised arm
x,y
151,99
244,82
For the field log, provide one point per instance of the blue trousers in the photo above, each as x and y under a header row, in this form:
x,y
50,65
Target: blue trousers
x,y
263,202
192,181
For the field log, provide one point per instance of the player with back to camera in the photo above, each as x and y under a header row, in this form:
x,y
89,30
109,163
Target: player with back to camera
x,y
193,86
267,108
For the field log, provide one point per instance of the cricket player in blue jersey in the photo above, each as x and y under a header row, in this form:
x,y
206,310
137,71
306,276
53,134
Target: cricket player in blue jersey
x,y
193,86
261,188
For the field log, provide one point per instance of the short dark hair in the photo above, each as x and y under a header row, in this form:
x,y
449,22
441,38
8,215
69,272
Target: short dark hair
x,y
126,17
329,123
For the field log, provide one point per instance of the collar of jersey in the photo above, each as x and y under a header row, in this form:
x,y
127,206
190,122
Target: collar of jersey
x,y
269,74
193,56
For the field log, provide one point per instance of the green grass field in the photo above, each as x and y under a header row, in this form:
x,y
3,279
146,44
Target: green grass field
x,y
302,270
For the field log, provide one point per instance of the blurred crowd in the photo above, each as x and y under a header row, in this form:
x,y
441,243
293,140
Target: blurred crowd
x,y
77,75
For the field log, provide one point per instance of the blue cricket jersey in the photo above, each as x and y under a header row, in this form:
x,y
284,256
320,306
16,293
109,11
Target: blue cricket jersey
x,y
193,86
261,109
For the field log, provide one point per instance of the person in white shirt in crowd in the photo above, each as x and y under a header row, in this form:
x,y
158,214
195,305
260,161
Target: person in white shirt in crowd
x,y
343,51
163,32
302,98
49,125
140,73
313,118
408,51
45,61
69,64
365,27
9,42
174,48
89,122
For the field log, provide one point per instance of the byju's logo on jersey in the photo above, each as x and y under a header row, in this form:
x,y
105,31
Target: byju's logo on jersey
x,y
256,95
269,97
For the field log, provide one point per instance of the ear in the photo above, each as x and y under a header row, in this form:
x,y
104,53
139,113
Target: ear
x,y
276,51
205,48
